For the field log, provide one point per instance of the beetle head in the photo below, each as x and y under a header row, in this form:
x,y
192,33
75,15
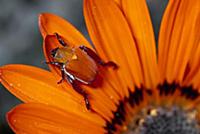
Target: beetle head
x,y
63,54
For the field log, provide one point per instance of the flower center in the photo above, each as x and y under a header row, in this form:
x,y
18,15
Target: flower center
x,y
165,121
164,110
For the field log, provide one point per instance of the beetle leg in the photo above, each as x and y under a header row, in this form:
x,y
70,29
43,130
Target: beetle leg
x,y
63,76
78,89
62,70
97,59
61,41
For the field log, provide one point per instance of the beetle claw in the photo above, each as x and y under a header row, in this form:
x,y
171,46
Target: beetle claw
x,y
110,64
60,81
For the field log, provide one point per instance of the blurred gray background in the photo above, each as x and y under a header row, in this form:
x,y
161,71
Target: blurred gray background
x,y
21,42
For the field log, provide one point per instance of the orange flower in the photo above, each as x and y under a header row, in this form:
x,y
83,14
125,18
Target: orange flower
x,y
149,93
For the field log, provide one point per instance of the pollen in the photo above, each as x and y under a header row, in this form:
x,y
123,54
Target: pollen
x,y
154,112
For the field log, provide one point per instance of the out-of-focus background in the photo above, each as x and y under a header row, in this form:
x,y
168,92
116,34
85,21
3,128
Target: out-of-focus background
x,y
21,42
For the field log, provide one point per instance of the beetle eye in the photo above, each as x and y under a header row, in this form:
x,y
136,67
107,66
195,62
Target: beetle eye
x,y
53,52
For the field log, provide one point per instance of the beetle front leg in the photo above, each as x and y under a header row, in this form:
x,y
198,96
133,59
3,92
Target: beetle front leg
x,y
63,76
53,63
97,59
78,89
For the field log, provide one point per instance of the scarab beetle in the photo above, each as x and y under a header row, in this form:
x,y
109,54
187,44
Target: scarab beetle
x,y
78,65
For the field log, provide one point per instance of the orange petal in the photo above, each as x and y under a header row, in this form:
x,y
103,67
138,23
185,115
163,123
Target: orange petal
x,y
118,2
166,28
39,118
193,70
179,37
137,15
195,81
50,24
112,37
31,84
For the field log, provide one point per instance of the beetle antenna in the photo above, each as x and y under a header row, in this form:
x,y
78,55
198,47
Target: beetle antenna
x,y
61,41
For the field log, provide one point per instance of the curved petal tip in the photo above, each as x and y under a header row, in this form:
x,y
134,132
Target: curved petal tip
x,y
42,20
